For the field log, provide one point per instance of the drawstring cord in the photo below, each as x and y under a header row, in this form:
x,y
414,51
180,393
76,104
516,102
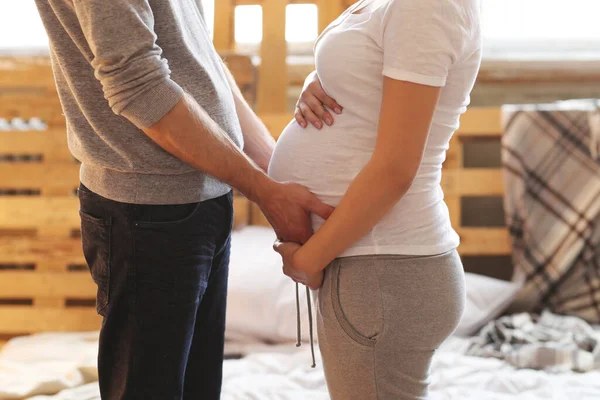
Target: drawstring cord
x,y
310,327
298,324
310,323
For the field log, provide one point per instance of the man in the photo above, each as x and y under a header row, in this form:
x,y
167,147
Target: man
x,y
158,124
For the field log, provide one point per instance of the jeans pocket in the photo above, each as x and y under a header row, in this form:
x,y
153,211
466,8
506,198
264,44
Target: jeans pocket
x,y
95,238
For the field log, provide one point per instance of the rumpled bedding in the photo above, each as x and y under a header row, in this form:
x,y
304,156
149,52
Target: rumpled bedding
x,y
548,342
62,367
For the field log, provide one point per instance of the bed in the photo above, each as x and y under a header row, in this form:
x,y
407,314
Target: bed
x,y
262,360
64,364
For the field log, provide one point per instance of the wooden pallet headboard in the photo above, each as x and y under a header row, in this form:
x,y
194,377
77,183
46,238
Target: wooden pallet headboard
x,y
44,283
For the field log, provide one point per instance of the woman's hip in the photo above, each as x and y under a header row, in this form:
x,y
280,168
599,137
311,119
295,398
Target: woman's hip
x,y
418,300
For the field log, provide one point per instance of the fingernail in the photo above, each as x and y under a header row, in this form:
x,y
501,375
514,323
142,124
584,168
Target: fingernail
x,y
319,125
338,110
328,121
303,124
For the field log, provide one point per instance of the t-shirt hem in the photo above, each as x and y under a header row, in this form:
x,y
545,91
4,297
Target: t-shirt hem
x,y
405,250
402,75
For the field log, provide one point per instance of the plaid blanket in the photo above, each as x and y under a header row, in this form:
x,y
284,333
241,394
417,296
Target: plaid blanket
x,y
548,342
552,204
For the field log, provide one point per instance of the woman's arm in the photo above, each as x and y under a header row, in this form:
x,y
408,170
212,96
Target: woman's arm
x,y
405,119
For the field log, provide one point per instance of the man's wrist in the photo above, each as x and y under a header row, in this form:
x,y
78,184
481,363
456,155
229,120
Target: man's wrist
x,y
260,188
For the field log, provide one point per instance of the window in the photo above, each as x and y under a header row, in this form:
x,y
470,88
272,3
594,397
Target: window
x,y
513,29
248,26
21,30
541,29
301,28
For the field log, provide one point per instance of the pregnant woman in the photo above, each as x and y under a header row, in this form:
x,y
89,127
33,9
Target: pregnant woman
x,y
391,282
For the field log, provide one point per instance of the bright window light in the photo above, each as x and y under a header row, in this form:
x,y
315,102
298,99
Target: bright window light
x,y
541,29
209,15
560,29
248,24
21,28
541,19
301,23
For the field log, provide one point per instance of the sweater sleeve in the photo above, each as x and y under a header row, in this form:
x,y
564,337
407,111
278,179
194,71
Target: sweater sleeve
x,y
127,60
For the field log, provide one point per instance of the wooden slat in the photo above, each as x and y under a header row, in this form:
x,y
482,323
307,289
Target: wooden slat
x,y
484,241
23,212
27,72
454,209
454,155
257,217
473,182
52,179
241,68
244,73
45,107
297,73
273,78
241,212
25,284
276,122
329,10
52,144
18,320
224,25
260,2
48,302
482,121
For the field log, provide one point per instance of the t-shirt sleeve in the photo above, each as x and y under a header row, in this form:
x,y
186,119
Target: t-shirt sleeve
x,y
421,40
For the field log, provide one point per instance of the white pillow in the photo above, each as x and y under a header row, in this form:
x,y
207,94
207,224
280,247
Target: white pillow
x,y
261,301
486,299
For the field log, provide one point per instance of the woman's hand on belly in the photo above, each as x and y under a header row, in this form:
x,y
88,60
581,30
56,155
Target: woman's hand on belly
x,y
312,102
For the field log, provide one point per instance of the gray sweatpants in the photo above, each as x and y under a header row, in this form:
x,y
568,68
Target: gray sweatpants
x,y
380,319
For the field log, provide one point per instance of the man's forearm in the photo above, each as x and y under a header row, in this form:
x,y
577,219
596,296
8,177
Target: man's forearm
x,y
189,133
258,142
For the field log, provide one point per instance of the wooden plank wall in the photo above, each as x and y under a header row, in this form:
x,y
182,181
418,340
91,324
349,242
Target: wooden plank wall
x,y
274,74
44,282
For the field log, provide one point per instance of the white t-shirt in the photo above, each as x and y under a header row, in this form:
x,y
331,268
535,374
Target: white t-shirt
x,y
429,42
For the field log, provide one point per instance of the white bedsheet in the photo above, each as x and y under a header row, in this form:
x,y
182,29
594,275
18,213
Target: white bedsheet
x,y
45,364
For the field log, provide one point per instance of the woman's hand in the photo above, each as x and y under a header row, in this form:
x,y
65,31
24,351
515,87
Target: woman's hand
x,y
291,268
312,102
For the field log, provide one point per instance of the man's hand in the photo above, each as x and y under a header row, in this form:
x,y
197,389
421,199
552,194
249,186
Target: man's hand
x,y
312,102
291,268
288,206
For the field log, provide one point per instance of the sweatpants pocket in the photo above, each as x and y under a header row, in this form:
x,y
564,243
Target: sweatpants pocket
x,y
356,300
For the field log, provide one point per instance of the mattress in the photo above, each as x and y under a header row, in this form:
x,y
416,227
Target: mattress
x,y
62,367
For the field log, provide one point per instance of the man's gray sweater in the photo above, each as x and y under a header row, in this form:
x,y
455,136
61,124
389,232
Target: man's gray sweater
x,y
120,66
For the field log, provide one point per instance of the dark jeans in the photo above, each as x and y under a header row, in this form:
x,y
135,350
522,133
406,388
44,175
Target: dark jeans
x,y
162,274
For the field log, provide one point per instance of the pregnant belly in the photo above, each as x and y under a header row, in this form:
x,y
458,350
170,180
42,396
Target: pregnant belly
x,y
325,161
